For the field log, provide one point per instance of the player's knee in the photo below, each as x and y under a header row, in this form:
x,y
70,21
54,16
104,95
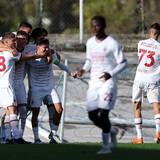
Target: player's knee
x,y
105,124
93,116
22,111
137,105
59,110
51,112
106,128
104,121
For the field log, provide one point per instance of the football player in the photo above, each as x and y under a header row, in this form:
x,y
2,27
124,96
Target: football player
x,y
8,57
104,60
147,81
42,89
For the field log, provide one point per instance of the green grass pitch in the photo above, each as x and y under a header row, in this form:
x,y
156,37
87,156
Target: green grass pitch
x,y
78,151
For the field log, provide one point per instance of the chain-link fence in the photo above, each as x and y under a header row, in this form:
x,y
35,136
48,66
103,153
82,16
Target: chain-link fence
x,y
59,16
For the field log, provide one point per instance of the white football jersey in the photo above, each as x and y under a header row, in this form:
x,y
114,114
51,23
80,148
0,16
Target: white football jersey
x,y
104,56
148,69
7,68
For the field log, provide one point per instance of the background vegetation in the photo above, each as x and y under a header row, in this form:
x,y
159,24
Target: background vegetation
x,y
62,16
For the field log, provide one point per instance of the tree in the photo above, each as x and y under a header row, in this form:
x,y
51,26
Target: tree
x,y
13,12
119,14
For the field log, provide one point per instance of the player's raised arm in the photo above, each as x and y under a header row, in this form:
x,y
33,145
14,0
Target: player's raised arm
x,y
42,51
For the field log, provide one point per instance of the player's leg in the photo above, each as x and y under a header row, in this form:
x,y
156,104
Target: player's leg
x,y
107,99
153,96
156,108
102,121
98,115
14,124
10,104
138,139
22,110
3,128
53,126
34,121
137,100
35,101
7,128
106,127
94,117
55,111
21,98
56,121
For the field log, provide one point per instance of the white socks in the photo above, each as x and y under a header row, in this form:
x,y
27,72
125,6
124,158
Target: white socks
x,y
14,126
7,128
157,122
138,126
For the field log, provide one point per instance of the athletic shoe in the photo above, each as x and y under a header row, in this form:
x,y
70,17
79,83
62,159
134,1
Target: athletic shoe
x,y
50,136
38,141
157,137
20,141
54,139
7,141
114,132
136,140
105,150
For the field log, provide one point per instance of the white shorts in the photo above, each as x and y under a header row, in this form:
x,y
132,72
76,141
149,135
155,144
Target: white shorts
x,y
101,94
151,90
20,92
42,95
7,97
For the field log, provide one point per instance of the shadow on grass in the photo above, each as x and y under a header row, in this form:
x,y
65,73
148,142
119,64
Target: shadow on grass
x,y
81,151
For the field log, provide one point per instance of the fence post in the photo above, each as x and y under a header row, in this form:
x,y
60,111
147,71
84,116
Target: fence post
x,y
80,21
63,104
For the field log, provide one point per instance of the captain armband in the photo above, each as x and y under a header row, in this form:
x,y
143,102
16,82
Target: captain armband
x,y
56,61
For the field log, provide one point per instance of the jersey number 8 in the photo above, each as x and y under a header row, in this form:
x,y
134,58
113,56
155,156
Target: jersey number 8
x,y
2,64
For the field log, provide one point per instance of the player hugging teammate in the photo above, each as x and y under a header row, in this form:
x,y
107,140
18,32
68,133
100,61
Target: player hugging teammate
x,y
19,56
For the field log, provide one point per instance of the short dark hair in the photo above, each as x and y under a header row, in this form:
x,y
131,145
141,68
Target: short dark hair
x,y
25,24
7,35
37,32
155,26
100,19
43,42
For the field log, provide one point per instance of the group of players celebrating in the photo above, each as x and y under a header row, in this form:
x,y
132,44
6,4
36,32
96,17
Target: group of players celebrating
x,y
18,57
104,59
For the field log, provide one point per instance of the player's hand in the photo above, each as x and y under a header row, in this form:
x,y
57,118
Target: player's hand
x,y
78,74
14,52
105,76
73,74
